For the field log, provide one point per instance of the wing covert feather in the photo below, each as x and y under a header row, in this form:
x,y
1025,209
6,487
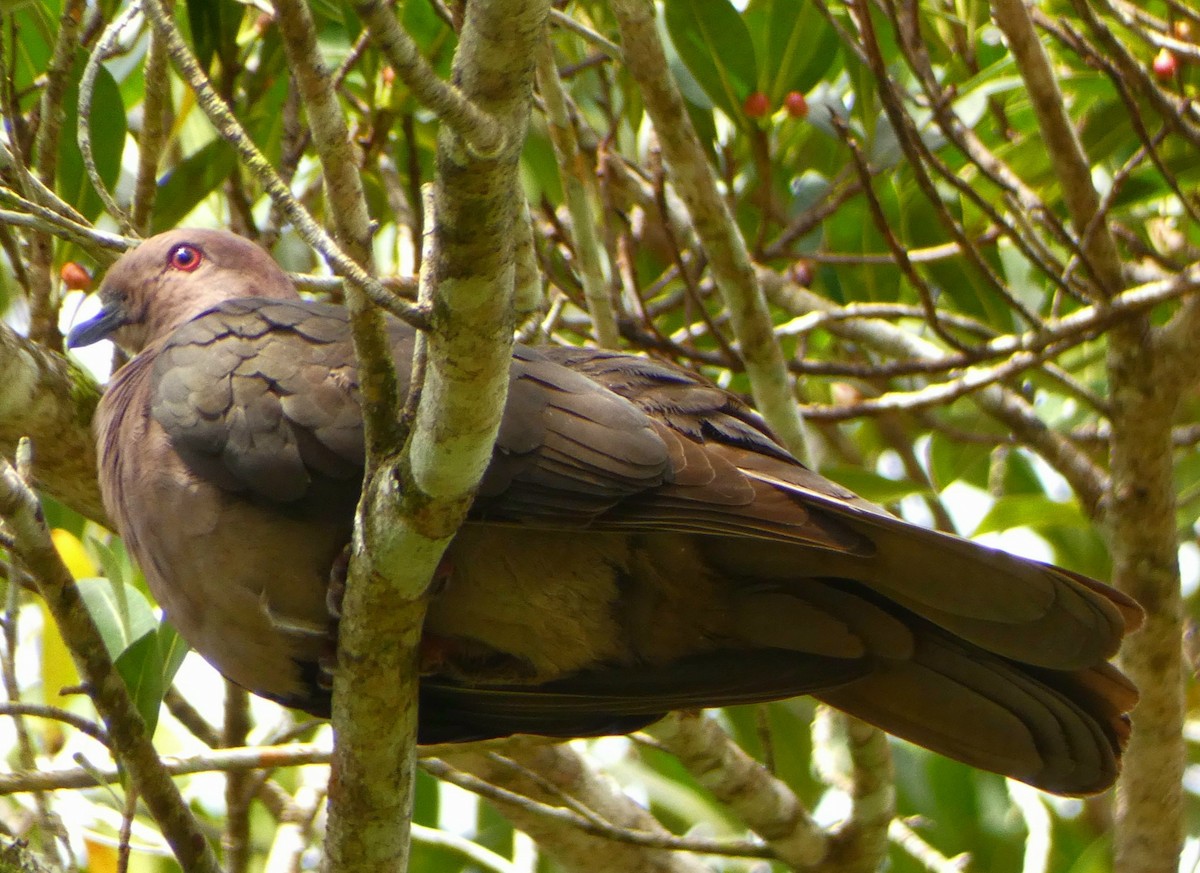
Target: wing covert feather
x,y
261,396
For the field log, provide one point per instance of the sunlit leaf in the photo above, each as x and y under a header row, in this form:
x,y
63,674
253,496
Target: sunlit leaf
x,y
1029,510
872,486
73,553
122,613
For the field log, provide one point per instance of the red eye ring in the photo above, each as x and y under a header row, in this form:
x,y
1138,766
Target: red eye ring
x,y
184,257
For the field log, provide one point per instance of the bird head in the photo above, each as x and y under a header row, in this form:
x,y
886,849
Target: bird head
x,y
173,277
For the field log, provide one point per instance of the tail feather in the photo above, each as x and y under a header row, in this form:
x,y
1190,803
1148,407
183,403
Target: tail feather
x,y
1059,731
1014,607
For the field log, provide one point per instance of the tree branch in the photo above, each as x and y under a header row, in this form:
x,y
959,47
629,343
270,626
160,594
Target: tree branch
x,y
728,257
49,399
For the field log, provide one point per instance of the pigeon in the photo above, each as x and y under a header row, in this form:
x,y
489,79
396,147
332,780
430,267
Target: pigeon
x,y
640,543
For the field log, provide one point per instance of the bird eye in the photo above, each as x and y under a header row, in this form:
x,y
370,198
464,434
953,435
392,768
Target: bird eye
x,y
184,257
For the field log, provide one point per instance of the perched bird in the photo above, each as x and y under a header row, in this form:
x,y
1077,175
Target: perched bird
x,y
640,543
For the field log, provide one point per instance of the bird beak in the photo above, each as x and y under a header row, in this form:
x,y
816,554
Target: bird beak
x,y
102,326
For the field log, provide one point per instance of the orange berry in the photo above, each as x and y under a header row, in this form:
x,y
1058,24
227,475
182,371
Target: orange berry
x,y
801,272
75,277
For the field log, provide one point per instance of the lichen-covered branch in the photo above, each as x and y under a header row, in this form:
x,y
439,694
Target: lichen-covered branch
x,y
570,776
47,398
402,530
1140,504
767,805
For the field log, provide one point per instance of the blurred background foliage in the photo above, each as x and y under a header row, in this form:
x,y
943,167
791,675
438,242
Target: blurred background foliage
x,y
798,130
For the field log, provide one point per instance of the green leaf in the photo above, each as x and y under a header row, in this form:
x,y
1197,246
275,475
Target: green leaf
x,y
190,182
173,650
34,27
140,667
1033,511
799,45
214,25
951,460
146,654
107,128
122,614
872,486
148,666
1020,476
714,43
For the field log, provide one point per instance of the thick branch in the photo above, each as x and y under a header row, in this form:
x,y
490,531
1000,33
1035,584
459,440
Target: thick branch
x,y
403,529
767,805
47,398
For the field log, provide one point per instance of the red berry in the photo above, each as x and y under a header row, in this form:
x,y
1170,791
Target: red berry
x,y
796,105
756,105
75,277
1165,64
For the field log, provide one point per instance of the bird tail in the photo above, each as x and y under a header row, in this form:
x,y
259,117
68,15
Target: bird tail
x,y
1061,731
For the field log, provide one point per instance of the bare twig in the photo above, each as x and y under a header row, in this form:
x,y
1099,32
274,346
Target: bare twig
x,y
578,189
153,135
83,123
524,809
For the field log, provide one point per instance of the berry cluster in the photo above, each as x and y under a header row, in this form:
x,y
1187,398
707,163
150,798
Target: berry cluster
x,y
758,105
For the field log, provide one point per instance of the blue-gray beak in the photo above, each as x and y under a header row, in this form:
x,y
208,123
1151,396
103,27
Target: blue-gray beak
x,y
102,326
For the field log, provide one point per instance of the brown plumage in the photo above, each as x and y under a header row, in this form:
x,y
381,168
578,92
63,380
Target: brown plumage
x,y
639,543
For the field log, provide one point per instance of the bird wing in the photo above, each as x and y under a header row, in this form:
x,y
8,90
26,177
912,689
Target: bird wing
x,y
726,477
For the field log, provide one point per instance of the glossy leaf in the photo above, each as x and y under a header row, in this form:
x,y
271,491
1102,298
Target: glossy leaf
x,y
1029,510
107,128
797,43
714,43
191,181
214,25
